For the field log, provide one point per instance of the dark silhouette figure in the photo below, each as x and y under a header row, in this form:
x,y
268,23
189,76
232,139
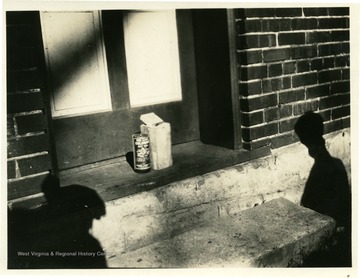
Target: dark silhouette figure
x,y
56,235
327,189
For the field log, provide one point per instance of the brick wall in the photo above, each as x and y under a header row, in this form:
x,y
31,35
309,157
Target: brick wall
x,y
291,60
28,152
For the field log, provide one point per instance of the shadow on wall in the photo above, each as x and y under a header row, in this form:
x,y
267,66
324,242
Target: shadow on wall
x,y
56,235
327,190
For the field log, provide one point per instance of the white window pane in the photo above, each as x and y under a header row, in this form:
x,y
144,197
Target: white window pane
x,y
75,59
152,56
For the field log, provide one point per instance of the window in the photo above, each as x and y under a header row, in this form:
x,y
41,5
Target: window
x,y
76,62
152,55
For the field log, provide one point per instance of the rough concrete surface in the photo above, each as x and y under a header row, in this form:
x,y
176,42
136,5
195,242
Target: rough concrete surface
x,y
278,233
144,218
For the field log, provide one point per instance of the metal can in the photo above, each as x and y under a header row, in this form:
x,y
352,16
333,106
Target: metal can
x,y
141,148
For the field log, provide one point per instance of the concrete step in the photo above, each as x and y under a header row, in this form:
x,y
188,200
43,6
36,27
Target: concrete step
x,y
278,233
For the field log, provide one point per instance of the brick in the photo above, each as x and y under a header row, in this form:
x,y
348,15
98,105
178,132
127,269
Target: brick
x,y
24,102
248,41
333,126
303,52
255,118
304,79
291,96
340,35
333,23
342,61
328,36
291,38
315,11
330,49
340,87
267,40
10,126
317,64
250,57
272,114
345,74
345,47
334,101
260,131
289,67
287,125
258,103
25,187
288,12
30,79
286,82
253,72
27,145
275,70
286,111
256,41
328,62
346,98
250,88
282,140
273,84
345,122
255,12
319,36
303,66
253,145
31,123
329,75
34,165
339,11
304,23
340,112
301,108
326,115
11,169
318,91
275,25
276,84
248,26
266,86
273,55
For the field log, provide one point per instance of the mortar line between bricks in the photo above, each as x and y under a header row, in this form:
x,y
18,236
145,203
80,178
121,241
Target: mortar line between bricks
x,y
291,17
29,134
29,176
28,156
27,113
294,31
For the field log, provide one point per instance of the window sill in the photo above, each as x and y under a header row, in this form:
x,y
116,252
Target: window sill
x,y
117,179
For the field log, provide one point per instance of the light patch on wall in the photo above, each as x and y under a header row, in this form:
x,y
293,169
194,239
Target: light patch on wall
x,y
75,61
152,56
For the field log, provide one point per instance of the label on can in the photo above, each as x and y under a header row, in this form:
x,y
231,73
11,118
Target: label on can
x,y
141,146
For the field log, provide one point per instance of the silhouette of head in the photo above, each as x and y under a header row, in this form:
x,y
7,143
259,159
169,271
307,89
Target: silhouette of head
x,y
310,129
74,198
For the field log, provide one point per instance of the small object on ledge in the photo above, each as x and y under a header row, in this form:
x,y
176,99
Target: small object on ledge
x,y
141,149
159,133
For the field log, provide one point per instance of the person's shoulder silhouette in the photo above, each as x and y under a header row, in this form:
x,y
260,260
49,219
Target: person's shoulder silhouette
x,y
327,189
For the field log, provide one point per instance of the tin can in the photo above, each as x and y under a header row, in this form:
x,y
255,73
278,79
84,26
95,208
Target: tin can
x,y
141,148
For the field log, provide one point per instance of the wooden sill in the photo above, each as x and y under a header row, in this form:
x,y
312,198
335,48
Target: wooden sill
x,y
118,179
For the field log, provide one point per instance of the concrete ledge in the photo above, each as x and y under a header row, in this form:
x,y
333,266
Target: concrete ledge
x,y
278,233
